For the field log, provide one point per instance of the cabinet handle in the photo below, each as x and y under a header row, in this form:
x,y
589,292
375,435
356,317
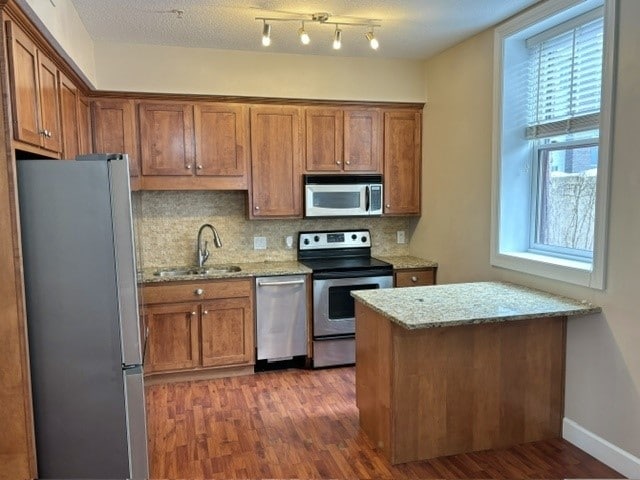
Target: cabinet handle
x,y
205,312
188,167
199,167
414,279
275,284
198,291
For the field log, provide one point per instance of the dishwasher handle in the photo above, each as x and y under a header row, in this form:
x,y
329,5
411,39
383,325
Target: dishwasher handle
x,y
277,284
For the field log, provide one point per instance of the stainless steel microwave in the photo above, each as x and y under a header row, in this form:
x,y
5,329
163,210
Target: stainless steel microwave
x,y
343,195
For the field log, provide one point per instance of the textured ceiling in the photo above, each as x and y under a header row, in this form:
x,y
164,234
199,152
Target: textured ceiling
x,y
409,28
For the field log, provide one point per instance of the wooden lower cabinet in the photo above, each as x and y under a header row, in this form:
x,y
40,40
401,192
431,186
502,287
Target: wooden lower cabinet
x,y
194,326
414,277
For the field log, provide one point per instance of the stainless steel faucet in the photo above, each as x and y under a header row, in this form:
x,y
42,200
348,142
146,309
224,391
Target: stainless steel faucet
x,y
203,253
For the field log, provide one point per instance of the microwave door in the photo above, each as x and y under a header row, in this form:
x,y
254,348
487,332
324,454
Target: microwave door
x,y
336,200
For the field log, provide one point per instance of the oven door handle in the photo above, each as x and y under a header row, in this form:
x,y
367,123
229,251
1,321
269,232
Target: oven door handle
x,y
355,274
366,198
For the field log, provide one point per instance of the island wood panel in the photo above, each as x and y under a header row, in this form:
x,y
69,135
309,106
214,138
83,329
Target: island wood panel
x,y
467,388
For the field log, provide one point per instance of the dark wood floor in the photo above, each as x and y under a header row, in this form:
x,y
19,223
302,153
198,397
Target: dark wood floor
x,y
304,424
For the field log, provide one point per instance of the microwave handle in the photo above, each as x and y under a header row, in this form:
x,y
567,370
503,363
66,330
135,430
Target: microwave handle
x,y
366,197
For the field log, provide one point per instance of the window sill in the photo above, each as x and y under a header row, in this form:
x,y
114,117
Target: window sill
x,y
570,271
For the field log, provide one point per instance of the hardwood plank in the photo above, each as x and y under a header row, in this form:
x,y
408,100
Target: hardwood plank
x,y
304,424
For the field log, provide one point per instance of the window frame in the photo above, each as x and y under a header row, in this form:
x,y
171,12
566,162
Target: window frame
x,y
511,230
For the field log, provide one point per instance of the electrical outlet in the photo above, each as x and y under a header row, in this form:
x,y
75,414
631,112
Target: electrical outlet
x,y
259,243
400,238
288,241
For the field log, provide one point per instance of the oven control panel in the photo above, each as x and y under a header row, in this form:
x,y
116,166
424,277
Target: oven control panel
x,y
335,239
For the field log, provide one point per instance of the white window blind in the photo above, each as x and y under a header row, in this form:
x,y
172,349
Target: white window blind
x,y
565,77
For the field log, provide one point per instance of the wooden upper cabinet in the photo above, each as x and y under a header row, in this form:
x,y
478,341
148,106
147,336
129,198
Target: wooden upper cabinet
x,y
34,92
114,129
222,143
84,126
69,117
276,162
166,139
340,140
402,162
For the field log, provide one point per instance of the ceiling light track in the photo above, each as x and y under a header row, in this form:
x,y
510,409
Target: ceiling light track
x,y
321,18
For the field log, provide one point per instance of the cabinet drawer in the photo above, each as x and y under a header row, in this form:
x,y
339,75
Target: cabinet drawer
x,y
196,291
413,278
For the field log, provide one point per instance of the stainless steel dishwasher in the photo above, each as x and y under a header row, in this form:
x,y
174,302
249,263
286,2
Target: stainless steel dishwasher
x,y
281,317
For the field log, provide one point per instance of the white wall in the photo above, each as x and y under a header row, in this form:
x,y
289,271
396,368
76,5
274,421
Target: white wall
x,y
603,354
63,27
151,68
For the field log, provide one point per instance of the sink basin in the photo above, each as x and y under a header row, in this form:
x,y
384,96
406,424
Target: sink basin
x,y
195,271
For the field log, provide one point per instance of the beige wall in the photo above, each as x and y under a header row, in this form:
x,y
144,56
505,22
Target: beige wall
x,y
152,68
603,358
61,20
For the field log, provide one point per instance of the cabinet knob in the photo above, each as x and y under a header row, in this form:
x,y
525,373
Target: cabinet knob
x,y
199,167
257,207
193,313
199,291
388,205
205,312
338,162
348,162
414,279
188,167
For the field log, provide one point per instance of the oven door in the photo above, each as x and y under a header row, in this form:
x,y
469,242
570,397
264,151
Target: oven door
x,y
333,305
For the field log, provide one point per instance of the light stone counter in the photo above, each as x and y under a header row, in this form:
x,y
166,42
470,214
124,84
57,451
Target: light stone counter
x,y
253,269
407,261
468,303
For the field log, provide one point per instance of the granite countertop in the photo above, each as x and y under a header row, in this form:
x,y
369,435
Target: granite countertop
x,y
253,269
468,303
407,261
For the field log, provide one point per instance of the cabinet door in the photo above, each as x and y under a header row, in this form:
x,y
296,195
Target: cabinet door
x,y
324,132
114,129
227,332
49,104
402,162
68,116
23,74
222,141
166,139
84,127
172,343
276,158
362,141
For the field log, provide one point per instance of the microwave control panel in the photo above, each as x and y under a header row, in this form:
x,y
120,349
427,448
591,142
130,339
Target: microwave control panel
x,y
341,239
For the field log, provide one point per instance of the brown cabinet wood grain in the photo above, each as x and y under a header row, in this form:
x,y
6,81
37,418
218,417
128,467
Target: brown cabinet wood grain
x,y
114,129
199,325
69,116
402,162
34,92
414,277
342,140
85,145
276,162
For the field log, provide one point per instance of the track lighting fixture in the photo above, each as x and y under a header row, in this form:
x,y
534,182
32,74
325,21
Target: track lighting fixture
x,y
304,36
373,41
337,39
321,18
266,34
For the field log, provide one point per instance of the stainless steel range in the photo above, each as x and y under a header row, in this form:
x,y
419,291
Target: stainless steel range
x,y
341,262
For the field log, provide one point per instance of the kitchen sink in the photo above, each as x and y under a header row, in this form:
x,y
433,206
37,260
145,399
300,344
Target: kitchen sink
x,y
195,271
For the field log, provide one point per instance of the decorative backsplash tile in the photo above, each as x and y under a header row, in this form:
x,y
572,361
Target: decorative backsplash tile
x,y
167,224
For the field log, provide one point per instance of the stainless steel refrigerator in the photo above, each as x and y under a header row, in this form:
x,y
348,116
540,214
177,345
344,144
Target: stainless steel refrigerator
x,y
82,317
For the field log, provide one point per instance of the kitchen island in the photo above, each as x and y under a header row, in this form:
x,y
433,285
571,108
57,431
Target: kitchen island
x,y
456,368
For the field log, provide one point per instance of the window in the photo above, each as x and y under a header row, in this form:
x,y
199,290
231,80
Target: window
x,y
553,73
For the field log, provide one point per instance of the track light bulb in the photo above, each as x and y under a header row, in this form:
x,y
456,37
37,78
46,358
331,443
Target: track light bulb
x,y
373,41
337,39
304,36
266,34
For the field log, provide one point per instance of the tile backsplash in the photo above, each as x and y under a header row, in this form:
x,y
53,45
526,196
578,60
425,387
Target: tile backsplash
x,y
167,224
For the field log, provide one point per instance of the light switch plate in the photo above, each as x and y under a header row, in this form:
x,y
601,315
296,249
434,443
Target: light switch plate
x,y
400,238
259,243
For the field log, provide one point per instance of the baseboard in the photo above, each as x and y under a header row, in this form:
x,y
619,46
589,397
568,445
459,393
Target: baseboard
x,y
609,454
